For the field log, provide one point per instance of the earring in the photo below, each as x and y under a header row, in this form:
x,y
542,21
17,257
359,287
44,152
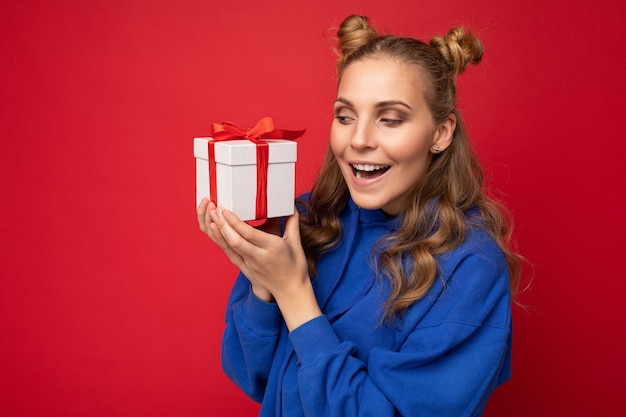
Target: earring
x,y
436,149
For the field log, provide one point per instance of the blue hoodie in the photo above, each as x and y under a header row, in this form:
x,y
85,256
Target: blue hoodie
x,y
443,357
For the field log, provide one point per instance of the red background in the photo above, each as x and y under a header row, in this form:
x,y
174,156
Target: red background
x,y
111,299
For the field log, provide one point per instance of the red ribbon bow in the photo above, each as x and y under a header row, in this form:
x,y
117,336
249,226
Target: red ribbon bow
x,y
263,129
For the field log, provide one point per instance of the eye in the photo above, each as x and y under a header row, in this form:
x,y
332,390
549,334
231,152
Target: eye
x,y
343,116
391,117
391,122
344,120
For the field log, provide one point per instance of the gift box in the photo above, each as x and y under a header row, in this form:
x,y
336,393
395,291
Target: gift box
x,y
252,177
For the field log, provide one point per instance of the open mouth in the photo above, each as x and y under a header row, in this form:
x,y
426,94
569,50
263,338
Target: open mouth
x,y
368,171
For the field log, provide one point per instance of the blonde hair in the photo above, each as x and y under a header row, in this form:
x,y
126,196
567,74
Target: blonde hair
x,y
445,201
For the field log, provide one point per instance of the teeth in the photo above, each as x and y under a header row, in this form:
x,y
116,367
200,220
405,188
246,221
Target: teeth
x,y
368,167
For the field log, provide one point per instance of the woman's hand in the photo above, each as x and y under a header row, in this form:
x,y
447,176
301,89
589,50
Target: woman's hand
x,y
272,263
207,210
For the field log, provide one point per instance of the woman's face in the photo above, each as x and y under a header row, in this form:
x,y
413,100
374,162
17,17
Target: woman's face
x,y
383,133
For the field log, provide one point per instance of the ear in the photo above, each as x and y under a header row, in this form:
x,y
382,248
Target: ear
x,y
442,137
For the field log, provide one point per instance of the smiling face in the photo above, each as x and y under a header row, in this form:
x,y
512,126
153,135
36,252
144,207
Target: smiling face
x,y
383,134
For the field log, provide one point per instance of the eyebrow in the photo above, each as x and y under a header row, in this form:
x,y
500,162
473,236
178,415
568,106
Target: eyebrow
x,y
380,104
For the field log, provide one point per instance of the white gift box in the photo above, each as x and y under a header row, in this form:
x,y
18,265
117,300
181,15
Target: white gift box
x,y
237,180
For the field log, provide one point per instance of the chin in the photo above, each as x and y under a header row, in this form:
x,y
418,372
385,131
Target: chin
x,y
366,203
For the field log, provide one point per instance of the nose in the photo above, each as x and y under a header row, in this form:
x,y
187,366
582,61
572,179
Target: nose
x,y
363,136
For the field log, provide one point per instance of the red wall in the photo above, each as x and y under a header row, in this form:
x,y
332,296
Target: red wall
x,y
111,300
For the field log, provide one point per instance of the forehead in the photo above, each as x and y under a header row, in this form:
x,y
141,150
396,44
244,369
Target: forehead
x,y
379,79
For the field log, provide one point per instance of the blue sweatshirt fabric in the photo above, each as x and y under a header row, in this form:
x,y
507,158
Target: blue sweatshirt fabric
x,y
443,357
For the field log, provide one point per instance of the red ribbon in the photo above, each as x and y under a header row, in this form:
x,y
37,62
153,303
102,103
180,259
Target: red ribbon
x,y
264,129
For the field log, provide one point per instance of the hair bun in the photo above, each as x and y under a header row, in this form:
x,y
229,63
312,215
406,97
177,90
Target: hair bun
x,y
354,32
459,48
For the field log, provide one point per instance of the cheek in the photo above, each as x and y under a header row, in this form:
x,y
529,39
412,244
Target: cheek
x,y
335,142
411,150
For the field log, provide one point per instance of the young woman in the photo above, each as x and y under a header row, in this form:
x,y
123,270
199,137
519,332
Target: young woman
x,y
389,293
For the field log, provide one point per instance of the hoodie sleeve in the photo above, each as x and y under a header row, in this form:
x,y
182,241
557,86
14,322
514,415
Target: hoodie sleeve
x,y
250,338
447,363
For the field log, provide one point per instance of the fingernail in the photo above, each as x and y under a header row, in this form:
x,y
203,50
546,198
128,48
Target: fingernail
x,y
213,215
219,211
